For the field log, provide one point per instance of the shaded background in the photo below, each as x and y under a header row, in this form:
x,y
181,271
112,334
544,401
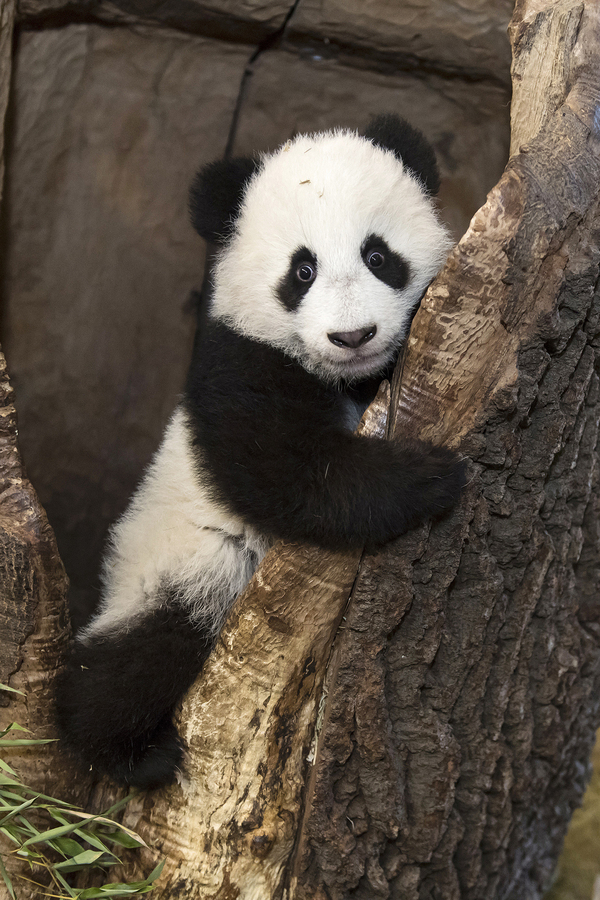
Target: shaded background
x,y
114,106
108,124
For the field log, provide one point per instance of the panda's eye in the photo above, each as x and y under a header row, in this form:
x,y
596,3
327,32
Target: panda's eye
x,y
384,263
375,259
306,273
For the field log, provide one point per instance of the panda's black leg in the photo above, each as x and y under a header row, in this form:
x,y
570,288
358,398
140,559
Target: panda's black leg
x,y
116,695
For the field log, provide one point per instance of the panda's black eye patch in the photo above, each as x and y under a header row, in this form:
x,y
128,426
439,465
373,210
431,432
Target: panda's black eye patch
x,y
385,265
296,282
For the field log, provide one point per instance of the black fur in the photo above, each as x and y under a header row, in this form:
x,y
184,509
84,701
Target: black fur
x,y
408,144
291,289
115,697
395,271
273,439
362,393
216,195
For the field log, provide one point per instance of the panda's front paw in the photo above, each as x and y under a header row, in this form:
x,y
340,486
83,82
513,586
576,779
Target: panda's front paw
x,y
442,475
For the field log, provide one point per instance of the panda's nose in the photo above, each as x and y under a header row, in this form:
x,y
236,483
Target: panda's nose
x,y
353,339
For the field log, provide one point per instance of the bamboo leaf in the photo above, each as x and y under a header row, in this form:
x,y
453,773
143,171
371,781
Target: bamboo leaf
x,y
118,890
104,821
115,890
23,742
94,840
6,878
120,804
125,840
10,795
16,811
71,839
68,846
81,860
52,834
6,687
156,871
70,891
9,833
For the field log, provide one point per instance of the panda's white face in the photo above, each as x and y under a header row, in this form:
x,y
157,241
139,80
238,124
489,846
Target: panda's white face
x,y
334,245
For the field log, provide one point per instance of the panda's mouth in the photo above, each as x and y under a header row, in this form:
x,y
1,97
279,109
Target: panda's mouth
x,y
362,363
348,365
367,364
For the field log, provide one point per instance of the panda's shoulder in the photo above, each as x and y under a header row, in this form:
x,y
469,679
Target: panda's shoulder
x,y
229,368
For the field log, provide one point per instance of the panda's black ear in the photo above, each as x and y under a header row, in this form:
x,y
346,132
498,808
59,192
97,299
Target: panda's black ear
x,y
408,144
216,195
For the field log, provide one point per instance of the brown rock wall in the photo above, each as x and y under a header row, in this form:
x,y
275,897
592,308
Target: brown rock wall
x,y
468,36
450,35
230,20
469,126
109,127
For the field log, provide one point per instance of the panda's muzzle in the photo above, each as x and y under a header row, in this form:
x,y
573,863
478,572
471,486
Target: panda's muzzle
x,y
352,340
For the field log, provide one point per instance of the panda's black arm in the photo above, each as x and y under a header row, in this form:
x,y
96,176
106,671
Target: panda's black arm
x,y
370,491
338,490
272,438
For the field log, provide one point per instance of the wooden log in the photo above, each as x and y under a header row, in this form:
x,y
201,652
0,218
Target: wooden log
x,y
249,726
33,585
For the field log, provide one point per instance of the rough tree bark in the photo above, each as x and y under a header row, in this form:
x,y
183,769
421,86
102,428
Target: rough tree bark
x,y
459,699
416,723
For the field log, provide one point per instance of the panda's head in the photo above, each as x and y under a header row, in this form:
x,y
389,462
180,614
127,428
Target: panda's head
x,y
327,244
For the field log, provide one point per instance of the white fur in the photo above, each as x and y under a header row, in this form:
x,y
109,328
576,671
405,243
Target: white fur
x,y
173,534
328,192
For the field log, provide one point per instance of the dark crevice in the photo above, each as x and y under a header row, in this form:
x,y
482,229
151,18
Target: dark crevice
x,y
392,63
190,19
269,43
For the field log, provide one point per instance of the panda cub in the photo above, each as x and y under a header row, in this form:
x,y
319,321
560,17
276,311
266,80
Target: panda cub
x,y
326,246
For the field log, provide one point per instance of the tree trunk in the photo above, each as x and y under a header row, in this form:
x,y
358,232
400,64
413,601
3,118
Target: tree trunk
x,y
416,723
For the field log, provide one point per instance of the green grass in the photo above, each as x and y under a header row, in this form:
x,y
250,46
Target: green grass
x,y
56,838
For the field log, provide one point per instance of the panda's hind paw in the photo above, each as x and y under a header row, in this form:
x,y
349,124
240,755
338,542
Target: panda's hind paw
x,y
143,760
155,762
